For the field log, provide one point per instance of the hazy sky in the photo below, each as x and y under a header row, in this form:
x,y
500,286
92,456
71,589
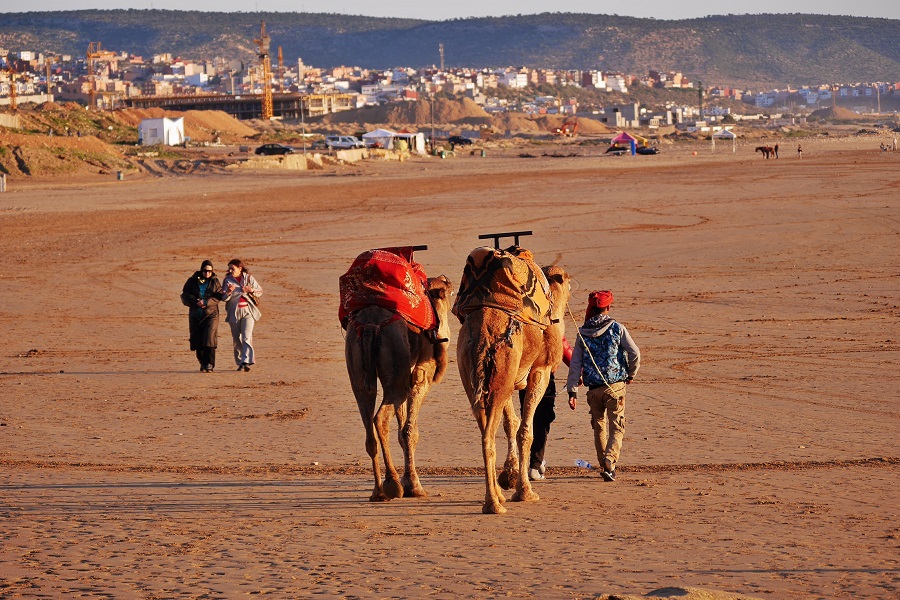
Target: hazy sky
x,y
659,9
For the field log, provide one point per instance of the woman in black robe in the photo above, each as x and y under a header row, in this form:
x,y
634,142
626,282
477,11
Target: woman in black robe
x,y
201,294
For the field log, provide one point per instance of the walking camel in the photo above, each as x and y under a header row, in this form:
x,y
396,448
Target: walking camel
x,y
382,345
499,351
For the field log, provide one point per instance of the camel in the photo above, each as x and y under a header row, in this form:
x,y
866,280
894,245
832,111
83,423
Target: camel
x,y
497,355
381,346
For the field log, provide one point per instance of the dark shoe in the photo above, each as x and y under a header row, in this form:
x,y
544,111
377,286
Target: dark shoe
x,y
209,368
246,367
203,368
608,475
240,367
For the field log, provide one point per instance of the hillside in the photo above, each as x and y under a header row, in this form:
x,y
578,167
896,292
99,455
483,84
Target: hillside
x,y
746,50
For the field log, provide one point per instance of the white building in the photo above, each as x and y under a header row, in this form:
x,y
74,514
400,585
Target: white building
x,y
168,132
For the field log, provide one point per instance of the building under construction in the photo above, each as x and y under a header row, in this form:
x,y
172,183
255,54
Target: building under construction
x,y
285,106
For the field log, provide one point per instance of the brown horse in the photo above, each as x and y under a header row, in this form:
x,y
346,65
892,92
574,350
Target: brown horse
x,y
766,150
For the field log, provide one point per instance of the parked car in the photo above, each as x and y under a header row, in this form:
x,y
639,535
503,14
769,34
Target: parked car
x,y
647,150
274,149
458,140
343,142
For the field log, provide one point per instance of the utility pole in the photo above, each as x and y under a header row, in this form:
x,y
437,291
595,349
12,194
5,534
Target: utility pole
x,y
432,123
700,97
47,75
280,70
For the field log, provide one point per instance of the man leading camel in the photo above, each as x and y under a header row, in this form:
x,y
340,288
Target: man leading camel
x,y
606,359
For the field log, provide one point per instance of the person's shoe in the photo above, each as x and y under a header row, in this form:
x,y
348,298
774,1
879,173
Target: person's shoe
x,y
203,368
535,475
240,367
209,368
608,475
246,367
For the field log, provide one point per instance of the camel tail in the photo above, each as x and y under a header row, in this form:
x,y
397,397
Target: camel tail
x,y
369,343
482,370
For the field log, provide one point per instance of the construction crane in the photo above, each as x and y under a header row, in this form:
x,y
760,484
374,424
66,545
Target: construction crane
x,y
263,43
95,54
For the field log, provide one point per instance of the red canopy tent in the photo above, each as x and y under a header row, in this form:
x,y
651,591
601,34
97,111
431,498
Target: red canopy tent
x,y
627,138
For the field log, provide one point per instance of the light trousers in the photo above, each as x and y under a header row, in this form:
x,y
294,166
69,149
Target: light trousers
x,y
242,339
607,405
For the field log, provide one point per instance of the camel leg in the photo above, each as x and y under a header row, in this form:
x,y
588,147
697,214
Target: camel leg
x,y
365,391
409,433
367,412
489,421
391,486
537,385
510,472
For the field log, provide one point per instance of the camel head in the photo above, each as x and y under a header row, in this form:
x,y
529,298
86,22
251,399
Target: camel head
x,y
560,290
440,290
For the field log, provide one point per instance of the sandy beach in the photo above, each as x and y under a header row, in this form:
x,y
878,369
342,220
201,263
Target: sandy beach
x,y
761,458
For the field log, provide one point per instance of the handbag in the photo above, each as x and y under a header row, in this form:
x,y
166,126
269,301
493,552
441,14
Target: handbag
x,y
252,298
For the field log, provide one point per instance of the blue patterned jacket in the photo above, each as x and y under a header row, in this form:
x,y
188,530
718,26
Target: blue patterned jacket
x,y
613,351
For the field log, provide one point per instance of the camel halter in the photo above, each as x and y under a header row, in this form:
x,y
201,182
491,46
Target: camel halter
x,y
588,350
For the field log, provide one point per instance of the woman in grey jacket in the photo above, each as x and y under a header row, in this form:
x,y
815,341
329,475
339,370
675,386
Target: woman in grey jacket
x,y
241,293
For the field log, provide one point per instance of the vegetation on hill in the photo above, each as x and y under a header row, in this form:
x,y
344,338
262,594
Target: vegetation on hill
x,y
746,50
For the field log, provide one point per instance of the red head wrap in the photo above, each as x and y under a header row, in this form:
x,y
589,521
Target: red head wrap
x,y
597,300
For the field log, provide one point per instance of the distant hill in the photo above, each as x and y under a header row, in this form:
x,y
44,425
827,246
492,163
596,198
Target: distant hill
x,y
745,50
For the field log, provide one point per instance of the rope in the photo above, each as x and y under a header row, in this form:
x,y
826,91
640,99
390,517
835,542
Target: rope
x,y
591,356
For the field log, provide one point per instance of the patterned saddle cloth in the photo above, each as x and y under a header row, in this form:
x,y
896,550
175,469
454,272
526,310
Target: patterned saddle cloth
x,y
508,280
390,278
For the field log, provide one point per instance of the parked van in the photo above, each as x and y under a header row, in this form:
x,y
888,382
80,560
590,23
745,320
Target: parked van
x,y
343,142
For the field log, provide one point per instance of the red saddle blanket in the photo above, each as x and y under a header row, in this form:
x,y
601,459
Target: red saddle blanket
x,y
508,280
390,278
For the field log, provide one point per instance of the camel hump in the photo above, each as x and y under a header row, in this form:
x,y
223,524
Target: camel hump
x,y
508,280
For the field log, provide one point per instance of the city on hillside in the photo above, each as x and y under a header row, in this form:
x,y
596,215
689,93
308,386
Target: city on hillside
x,y
110,79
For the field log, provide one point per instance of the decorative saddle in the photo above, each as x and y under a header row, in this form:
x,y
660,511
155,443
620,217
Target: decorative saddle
x,y
508,280
391,279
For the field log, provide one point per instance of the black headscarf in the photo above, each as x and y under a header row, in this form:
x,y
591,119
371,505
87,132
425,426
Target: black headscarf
x,y
205,263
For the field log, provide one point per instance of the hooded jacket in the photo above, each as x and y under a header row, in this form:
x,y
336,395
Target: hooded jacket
x,y
604,354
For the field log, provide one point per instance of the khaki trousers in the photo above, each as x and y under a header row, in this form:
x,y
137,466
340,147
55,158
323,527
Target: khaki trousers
x,y
607,406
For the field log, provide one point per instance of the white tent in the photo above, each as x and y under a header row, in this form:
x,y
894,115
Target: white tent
x,y
384,137
416,141
169,132
725,134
